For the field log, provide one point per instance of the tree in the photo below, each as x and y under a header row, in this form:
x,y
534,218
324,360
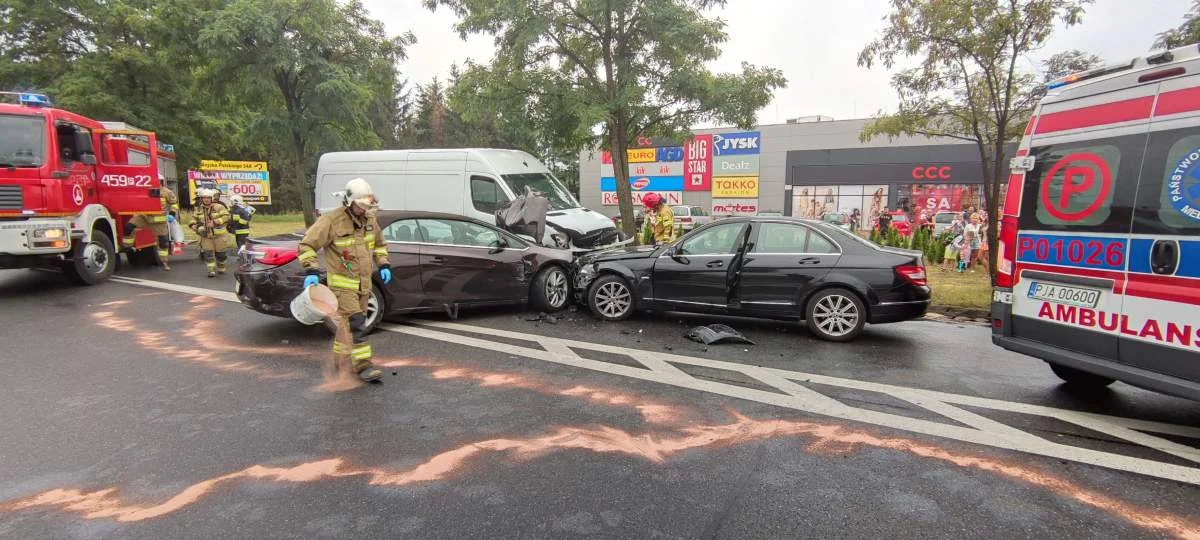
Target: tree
x,y
309,69
1186,33
968,84
1068,62
599,73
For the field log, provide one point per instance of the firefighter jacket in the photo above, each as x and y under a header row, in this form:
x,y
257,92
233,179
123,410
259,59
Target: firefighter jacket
x,y
662,225
170,203
217,213
352,248
240,223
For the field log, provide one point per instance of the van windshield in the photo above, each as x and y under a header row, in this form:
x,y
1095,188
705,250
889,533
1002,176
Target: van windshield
x,y
22,140
560,198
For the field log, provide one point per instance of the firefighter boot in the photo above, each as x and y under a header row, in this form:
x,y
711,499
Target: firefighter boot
x,y
360,354
210,263
164,251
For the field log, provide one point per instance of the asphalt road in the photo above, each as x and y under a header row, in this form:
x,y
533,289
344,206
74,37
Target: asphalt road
x,y
139,411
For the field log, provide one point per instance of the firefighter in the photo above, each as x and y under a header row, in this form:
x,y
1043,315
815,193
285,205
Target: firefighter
x,y
353,247
210,220
240,225
660,219
160,223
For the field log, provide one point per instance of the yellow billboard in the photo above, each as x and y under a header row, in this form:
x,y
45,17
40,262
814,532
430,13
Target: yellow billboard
x,y
735,187
240,166
643,155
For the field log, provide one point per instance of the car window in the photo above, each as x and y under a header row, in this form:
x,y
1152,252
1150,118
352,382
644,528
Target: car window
x,y
781,238
943,218
485,194
717,240
459,233
404,230
435,231
819,244
1169,197
680,211
474,234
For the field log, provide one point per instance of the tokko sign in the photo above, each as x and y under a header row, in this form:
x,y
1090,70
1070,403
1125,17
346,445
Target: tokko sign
x,y
735,187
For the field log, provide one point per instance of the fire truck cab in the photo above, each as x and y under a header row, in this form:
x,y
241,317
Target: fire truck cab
x,y
67,186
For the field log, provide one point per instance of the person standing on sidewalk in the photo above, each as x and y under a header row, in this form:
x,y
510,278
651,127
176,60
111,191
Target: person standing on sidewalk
x,y
352,247
660,219
210,220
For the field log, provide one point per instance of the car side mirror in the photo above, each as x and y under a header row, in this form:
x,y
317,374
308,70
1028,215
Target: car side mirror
x,y
498,246
88,159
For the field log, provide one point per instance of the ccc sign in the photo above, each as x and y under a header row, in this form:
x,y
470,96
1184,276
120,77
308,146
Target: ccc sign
x,y
931,172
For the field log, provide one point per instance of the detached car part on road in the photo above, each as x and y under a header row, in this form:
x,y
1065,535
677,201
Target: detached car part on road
x,y
778,268
440,263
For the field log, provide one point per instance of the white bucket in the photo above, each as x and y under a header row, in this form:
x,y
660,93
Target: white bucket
x,y
313,304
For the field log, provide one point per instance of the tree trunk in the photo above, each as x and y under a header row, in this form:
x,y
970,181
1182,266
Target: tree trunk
x,y
300,180
618,141
999,168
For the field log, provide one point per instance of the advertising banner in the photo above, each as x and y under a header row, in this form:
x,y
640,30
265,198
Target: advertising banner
x,y
745,142
254,187
735,207
736,165
646,169
670,153
645,183
697,163
735,187
609,198
220,165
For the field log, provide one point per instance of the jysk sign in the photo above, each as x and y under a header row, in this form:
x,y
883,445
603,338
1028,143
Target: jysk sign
x,y
746,142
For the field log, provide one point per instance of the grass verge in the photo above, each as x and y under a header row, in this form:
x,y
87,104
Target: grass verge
x,y
966,290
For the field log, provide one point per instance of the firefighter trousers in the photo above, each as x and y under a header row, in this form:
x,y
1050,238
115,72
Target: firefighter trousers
x,y
161,229
352,347
212,248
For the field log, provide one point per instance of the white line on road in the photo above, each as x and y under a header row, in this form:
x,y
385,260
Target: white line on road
x,y
662,368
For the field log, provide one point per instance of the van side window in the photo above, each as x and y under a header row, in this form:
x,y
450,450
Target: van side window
x,y
1087,186
1169,197
485,194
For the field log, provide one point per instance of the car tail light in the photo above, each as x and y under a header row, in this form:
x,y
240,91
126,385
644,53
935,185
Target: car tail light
x,y
274,256
913,273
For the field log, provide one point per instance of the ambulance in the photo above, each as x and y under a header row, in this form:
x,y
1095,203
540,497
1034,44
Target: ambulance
x,y
1099,249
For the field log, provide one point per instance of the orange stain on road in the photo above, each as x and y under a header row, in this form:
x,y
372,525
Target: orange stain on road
x,y
655,448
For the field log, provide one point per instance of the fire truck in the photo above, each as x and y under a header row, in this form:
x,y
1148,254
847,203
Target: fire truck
x,y
68,185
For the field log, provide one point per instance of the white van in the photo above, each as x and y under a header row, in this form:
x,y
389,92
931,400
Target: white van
x,y
469,181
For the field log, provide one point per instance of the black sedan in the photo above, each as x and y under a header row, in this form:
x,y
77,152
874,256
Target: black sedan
x,y
440,262
769,267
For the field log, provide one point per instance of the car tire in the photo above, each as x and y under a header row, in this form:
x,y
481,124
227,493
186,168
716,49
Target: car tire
x,y
376,309
835,314
1080,379
610,298
93,262
550,290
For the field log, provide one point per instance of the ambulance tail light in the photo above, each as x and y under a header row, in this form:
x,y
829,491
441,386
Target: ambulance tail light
x,y
1006,252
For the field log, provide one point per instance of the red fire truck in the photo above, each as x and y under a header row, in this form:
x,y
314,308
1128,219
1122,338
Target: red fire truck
x,y
67,188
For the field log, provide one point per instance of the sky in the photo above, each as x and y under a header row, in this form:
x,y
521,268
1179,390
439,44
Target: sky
x,y
814,42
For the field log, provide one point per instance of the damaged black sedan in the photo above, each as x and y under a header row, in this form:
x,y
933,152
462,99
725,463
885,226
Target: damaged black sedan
x,y
440,262
769,267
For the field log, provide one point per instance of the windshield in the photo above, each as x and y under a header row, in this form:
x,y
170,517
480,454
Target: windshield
x,y
22,140
560,198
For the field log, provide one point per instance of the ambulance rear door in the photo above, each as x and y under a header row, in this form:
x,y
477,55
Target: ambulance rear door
x,y
1162,297
1075,217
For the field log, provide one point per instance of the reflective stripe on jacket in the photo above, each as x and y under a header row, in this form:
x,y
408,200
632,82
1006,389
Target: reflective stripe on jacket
x,y
241,219
351,248
215,212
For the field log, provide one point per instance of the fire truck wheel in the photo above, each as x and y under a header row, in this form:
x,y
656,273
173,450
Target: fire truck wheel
x,y
92,262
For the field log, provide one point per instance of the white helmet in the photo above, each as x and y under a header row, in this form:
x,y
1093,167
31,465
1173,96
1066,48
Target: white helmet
x,y
206,192
359,191
237,199
161,178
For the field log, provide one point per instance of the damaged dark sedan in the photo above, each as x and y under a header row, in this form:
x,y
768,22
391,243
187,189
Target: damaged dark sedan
x,y
768,267
440,262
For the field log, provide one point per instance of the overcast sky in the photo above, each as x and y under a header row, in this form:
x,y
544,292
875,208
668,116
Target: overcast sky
x,y
814,42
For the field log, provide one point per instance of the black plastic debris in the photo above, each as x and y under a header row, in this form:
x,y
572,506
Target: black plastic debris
x,y
715,334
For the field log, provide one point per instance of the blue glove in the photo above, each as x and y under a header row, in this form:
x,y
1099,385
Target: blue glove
x,y
310,280
170,218
386,275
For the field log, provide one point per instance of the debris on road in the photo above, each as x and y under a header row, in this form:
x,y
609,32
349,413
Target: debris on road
x,y
543,317
716,334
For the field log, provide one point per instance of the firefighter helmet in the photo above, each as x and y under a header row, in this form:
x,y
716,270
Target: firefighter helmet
x,y
237,199
360,192
651,200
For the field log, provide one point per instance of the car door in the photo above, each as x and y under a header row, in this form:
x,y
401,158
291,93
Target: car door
x,y
461,263
404,254
694,273
783,261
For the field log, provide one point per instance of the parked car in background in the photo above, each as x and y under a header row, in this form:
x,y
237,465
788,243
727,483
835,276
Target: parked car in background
x,y
690,217
838,219
440,262
639,218
901,222
942,221
779,268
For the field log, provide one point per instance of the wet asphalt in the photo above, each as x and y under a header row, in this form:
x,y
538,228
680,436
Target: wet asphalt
x,y
132,412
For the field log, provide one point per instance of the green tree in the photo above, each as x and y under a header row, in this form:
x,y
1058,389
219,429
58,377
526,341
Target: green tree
x,y
968,84
1068,62
1186,33
319,75
601,72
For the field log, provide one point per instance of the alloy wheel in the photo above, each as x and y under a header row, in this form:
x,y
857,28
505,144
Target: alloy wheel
x,y
372,309
613,299
836,315
556,288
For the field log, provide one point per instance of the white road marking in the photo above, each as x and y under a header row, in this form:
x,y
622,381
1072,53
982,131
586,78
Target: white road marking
x,y
659,368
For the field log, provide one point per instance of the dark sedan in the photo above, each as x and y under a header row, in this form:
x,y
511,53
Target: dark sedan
x,y
770,267
440,262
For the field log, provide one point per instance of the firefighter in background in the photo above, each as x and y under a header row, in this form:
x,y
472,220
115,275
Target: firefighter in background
x,y
160,223
659,218
353,247
210,220
242,213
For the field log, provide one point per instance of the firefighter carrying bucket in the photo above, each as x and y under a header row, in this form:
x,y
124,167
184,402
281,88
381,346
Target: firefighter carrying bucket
x,y
352,247
159,223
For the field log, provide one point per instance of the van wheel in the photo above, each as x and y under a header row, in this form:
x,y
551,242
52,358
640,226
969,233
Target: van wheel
x,y
1080,379
92,262
550,290
835,315
610,298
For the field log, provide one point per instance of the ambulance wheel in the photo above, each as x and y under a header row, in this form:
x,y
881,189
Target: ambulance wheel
x,y
92,262
1080,379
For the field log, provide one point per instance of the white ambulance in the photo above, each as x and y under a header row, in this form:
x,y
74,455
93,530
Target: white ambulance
x,y
1099,258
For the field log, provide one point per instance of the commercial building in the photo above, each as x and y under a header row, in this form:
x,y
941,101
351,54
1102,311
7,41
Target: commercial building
x,y
814,168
